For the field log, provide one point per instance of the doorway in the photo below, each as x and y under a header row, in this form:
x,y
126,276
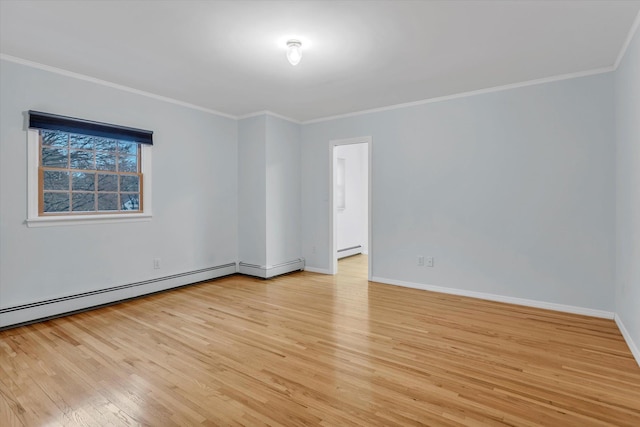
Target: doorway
x,y
350,200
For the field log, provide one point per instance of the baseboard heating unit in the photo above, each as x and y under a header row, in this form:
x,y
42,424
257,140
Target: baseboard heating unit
x,y
55,307
268,271
353,250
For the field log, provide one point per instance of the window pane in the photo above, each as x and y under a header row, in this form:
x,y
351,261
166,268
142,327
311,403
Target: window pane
x,y
81,159
54,180
54,157
103,144
108,202
127,147
55,139
105,161
83,181
107,182
127,163
83,173
56,202
81,141
130,202
83,202
129,183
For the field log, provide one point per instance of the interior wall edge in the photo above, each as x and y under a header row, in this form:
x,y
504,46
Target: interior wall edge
x,y
627,337
627,42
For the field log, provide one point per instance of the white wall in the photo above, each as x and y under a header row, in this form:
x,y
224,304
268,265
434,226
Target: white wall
x,y
352,222
512,192
195,207
269,190
252,191
283,190
627,111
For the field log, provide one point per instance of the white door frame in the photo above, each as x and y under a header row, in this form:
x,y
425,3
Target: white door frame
x,y
333,215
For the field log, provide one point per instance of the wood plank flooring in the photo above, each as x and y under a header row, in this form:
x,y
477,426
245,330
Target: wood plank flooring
x,y
310,349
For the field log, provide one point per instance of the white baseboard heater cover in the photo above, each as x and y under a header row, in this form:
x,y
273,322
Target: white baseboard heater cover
x,y
353,250
268,271
56,307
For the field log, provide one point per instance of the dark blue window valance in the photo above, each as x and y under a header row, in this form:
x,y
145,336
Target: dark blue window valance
x,y
48,121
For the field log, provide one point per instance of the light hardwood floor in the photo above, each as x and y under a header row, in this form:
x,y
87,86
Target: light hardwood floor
x,y
310,349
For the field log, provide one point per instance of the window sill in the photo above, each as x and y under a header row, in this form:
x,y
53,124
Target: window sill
x,y
57,221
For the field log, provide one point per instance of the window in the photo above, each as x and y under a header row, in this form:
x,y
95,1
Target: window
x,y
82,171
82,174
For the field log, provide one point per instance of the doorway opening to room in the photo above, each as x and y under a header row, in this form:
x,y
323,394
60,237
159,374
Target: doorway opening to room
x,y
350,201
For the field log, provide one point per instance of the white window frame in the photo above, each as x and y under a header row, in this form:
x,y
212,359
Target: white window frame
x,y
35,220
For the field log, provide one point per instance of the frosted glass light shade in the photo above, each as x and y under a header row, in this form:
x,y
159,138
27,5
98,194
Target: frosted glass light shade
x,y
294,51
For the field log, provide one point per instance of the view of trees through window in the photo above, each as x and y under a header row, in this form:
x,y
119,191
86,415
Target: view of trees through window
x,y
83,174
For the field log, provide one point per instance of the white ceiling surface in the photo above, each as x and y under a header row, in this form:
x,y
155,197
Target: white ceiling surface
x,y
229,56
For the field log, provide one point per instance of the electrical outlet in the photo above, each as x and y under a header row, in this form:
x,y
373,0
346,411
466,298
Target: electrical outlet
x,y
313,250
156,263
430,261
421,261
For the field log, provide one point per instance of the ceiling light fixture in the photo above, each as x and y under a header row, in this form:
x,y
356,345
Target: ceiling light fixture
x,y
294,51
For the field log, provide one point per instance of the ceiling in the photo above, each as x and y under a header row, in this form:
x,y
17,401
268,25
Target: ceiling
x,y
229,56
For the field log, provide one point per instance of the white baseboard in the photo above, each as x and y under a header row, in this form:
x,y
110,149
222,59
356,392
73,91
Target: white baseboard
x,y
268,271
40,310
627,337
500,298
317,270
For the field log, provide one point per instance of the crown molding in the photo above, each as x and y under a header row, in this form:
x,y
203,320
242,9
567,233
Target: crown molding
x,y
466,94
86,78
269,113
328,118
627,42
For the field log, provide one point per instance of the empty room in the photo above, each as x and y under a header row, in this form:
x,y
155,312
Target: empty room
x,y
320,213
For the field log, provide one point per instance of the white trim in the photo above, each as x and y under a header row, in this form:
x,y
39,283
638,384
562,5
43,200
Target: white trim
x,y
56,221
86,78
33,155
147,187
500,298
627,42
269,113
317,270
351,141
627,337
33,218
465,94
333,236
